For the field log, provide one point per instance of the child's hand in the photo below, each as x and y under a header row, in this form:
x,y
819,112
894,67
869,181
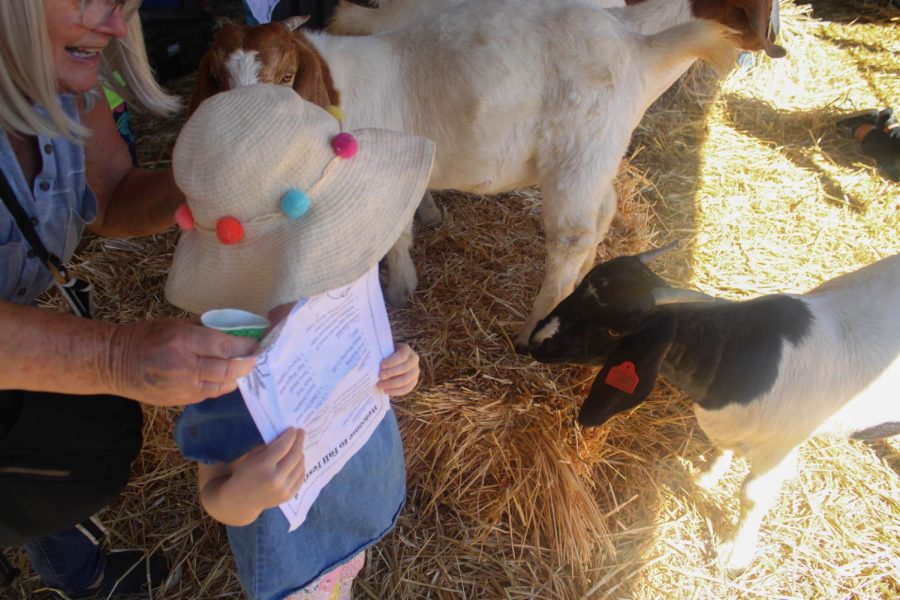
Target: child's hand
x,y
399,372
268,475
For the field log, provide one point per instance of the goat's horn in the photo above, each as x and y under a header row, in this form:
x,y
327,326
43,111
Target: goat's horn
x,y
295,22
774,22
649,255
678,295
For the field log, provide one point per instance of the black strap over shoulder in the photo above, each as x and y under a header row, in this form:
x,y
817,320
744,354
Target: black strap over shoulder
x,y
24,223
76,291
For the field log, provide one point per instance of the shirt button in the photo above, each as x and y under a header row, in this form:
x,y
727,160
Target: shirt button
x,y
34,221
32,254
21,291
44,186
48,149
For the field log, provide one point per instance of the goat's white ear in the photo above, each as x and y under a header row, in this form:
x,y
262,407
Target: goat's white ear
x,y
649,255
667,295
293,23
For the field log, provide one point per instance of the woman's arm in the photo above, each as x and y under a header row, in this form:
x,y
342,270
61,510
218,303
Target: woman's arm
x,y
166,363
131,201
236,493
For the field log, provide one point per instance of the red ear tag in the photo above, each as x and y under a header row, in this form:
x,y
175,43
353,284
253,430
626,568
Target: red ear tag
x,y
623,377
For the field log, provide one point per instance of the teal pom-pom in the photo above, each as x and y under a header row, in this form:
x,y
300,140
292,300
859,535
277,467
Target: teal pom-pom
x,y
295,203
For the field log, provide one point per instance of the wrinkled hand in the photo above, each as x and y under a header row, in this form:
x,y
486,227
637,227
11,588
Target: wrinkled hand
x,y
399,372
175,361
268,475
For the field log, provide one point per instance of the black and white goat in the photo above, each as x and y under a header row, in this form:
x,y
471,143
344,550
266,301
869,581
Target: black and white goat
x,y
764,374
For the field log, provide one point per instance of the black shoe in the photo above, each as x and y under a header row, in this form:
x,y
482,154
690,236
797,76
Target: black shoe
x,y
887,121
851,123
128,575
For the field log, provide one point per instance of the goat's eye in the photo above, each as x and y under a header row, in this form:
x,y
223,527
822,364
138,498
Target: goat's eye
x,y
613,333
287,78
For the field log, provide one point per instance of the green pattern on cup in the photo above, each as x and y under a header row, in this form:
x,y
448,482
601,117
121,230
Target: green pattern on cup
x,y
251,332
237,322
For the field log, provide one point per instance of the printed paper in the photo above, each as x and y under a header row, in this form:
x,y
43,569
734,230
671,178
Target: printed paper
x,y
318,373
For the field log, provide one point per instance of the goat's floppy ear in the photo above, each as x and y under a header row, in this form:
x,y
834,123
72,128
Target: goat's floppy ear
x,y
629,374
206,85
313,81
764,19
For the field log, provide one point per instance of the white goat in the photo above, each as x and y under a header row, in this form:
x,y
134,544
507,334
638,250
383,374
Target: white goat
x,y
764,375
356,19
515,93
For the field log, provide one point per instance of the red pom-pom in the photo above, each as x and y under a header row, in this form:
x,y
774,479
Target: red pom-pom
x,y
229,230
183,217
344,145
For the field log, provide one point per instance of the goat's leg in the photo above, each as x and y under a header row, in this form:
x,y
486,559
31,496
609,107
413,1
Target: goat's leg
x,y
709,477
768,472
428,212
402,280
572,214
604,218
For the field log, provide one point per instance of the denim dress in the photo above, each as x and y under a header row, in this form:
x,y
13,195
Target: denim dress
x,y
59,203
357,508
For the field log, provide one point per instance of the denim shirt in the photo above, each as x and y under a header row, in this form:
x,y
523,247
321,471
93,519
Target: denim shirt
x,y
60,204
357,508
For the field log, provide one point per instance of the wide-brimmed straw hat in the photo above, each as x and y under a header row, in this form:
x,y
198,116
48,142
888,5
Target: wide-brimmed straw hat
x,y
281,204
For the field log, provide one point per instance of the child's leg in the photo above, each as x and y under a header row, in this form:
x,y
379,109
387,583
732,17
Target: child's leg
x,y
335,584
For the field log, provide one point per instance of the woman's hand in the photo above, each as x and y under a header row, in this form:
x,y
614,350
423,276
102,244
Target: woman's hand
x,y
399,372
175,361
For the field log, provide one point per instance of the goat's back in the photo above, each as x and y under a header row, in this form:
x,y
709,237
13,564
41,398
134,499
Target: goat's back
x,y
493,80
841,378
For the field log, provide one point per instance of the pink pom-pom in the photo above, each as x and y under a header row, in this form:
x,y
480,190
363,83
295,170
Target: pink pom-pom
x,y
229,230
344,145
183,217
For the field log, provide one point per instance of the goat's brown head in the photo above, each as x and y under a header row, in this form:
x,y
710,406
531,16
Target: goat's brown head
x,y
276,53
756,21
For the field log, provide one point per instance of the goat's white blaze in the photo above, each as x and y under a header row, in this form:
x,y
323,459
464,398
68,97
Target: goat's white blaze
x,y
546,332
243,68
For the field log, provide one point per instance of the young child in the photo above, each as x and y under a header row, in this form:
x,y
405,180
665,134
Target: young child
x,y
282,205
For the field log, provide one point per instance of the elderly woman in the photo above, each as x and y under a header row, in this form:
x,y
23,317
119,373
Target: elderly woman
x,y
70,386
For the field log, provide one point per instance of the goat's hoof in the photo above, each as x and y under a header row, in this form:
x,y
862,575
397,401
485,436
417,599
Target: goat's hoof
x,y
523,349
398,296
522,343
427,212
708,481
734,559
431,220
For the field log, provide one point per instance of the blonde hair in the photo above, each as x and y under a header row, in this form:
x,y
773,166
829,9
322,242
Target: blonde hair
x,y
28,73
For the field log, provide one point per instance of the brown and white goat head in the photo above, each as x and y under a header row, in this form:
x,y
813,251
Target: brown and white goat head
x,y
271,53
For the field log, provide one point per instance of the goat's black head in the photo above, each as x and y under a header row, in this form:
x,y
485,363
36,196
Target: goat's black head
x,y
611,318
611,304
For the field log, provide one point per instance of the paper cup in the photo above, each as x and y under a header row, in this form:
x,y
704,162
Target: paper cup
x,y
234,321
